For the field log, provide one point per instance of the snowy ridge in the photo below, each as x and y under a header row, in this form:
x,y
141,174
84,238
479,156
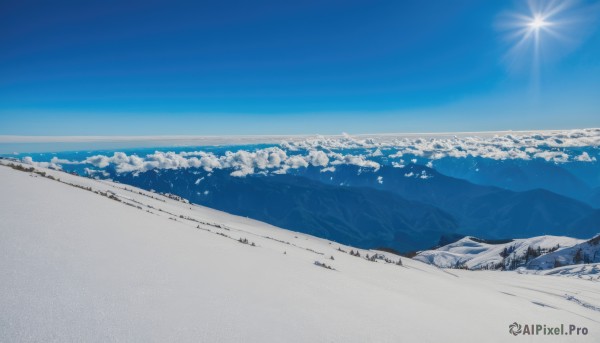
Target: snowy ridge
x,y
473,253
545,255
90,260
583,253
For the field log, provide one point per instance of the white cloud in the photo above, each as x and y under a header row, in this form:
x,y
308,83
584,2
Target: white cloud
x,y
424,175
52,164
318,158
376,153
99,161
525,145
296,162
357,160
555,156
94,172
584,157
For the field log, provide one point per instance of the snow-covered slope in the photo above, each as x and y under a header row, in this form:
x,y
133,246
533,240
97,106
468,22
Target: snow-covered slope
x,y
87,260
473,253
581,253
544,255
588,271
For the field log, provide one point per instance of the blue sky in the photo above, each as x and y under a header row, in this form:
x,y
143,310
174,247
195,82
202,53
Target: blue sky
x,y
292,67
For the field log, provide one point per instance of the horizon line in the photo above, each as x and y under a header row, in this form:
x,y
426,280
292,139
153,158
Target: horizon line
x,y
134,138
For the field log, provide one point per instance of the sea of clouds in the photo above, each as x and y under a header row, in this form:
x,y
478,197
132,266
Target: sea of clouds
x,y
328,152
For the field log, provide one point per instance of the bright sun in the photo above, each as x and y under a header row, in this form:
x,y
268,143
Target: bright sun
x,y
537,28
537,23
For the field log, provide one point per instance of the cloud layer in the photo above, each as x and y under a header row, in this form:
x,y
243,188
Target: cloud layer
x,y
243,162
327,153
546,145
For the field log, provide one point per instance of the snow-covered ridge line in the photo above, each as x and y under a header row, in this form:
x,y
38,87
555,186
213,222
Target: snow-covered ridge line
x,y
326,153
123,194
546,255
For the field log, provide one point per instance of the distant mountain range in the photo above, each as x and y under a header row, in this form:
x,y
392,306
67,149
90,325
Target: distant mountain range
x,y
486,211
351,215
580,181
405,209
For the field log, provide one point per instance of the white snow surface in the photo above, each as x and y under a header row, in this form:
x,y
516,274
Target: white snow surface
x,y
78,266
588,271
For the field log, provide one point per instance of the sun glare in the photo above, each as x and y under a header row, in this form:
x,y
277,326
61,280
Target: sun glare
x,y
538,22
536,28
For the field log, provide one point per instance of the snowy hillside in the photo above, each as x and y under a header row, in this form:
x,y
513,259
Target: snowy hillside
x,y
551,254
473,253
584,252
89,260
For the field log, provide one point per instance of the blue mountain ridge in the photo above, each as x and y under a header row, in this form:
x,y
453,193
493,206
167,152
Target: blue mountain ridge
x,y
352,206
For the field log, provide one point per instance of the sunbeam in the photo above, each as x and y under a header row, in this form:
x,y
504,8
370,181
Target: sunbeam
x,y
538,33
532,30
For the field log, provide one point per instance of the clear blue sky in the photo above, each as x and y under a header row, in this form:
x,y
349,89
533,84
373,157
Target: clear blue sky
x,y
286,67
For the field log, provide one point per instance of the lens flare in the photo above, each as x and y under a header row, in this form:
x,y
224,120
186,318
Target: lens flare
x,y
537,30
